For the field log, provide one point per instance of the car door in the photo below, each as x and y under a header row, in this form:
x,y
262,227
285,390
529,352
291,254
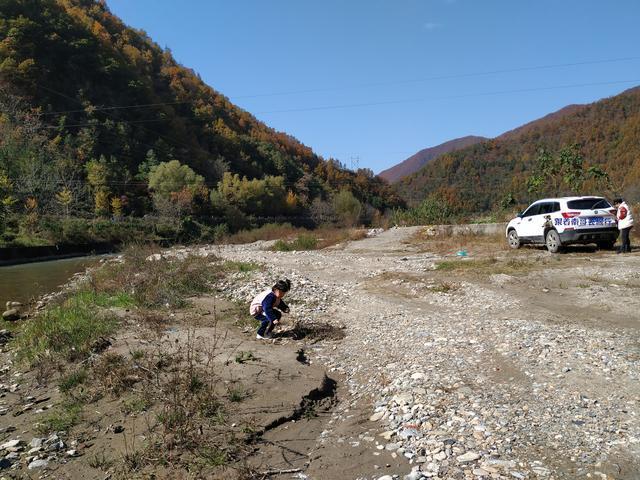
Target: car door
x,y
544,214
526,228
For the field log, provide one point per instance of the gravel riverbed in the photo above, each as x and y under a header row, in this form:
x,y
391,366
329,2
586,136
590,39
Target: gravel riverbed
x,y
530,374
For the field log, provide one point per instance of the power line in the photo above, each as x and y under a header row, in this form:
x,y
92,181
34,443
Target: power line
x,y
449,97
93,124
395,82
114,107
440,77
115,119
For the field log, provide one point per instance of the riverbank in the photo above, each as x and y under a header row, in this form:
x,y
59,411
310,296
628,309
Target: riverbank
x,y
148,369
21,255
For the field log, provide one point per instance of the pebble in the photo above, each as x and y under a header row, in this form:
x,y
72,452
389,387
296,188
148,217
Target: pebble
x,y
468,457
11,444
376,416
39,463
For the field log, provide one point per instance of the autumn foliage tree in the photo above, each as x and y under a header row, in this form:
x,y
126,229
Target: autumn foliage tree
x,y
174,187
347,208
564,173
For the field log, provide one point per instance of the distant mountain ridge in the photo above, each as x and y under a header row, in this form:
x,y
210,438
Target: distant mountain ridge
x,y
480,177
418,160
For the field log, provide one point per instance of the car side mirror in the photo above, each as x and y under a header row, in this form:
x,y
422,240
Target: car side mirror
x,y
520,215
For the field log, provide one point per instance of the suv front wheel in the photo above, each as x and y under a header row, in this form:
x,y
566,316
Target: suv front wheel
x,y
552,240
513,239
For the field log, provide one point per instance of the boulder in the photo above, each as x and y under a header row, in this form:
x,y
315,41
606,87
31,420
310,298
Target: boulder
x,y
39,463
11,315
5,336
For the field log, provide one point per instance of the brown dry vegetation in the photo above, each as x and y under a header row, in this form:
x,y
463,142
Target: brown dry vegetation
x,y
444,244
288,236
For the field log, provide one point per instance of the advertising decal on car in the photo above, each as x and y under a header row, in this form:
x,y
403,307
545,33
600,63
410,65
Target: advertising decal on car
x,y
584,221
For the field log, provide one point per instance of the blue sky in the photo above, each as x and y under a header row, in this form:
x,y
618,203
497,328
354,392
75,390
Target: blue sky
x,y
378,80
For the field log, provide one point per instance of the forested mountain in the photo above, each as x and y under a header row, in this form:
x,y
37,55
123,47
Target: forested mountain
x,y
418,160
91,107
495,172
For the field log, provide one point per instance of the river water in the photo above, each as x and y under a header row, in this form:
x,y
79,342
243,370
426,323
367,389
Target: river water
x,y
21,283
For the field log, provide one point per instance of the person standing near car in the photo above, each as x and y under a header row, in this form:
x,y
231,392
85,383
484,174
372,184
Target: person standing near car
x,y
625,223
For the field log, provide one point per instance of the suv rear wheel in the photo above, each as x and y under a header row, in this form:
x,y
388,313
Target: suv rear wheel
x,y
608,245
513,239
552,240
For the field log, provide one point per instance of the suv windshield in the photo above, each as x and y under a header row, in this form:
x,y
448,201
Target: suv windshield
x,y
532,210
588,204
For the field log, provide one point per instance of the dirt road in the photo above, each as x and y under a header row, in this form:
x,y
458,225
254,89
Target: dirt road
x,y
503,364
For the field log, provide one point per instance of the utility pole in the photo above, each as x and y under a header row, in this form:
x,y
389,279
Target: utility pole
x,y
355,162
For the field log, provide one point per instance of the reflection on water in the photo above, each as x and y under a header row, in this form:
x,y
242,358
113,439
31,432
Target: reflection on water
x,y
22,283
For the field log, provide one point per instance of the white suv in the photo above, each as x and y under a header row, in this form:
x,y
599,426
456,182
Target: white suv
x,y
562,221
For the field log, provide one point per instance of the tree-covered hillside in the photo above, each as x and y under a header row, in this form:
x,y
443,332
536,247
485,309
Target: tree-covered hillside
x,y
487,175
91,108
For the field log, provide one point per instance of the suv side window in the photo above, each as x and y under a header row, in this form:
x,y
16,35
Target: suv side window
x,y
532,210
549,207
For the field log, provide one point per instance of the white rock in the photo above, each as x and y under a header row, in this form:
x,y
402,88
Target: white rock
x,y
376,416
38,464
10,444
468,457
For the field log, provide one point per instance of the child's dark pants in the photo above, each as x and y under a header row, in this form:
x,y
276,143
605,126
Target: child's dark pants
x,y
266,326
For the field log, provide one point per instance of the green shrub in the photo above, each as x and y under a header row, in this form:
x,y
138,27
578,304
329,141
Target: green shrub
x,y
72,380
282,246
67,331
305,242
432,210
302,242
62,419
75,231
347,207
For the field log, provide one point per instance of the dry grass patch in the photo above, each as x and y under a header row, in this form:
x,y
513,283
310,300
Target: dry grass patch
x,y
444,287
163,282
297,238
491,265
270,231
449,244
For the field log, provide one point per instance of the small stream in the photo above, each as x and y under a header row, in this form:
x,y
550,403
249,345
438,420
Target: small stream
x,y
22,283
